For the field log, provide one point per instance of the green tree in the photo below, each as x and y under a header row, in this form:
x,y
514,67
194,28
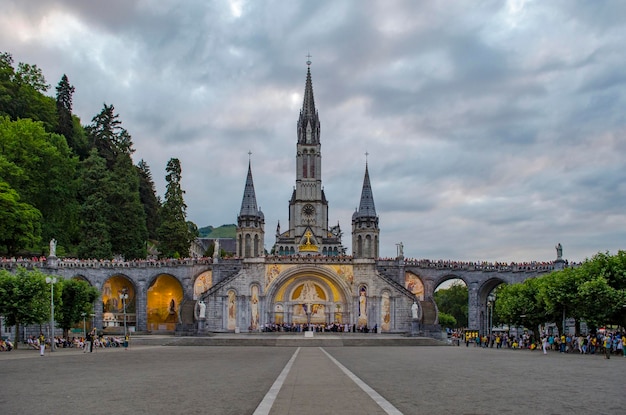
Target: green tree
x,y
77,297
95,191
107,135
19,222
21,93
126,217
447,321
149,200
559,293
41,168
174,232
521,305
24,299
453,301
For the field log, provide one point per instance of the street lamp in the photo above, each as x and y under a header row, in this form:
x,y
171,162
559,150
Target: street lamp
x,y
124,297
51,281
490,300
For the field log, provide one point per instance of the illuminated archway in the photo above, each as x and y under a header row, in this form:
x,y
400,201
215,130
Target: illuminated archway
x,y
113,305
163,301
301,296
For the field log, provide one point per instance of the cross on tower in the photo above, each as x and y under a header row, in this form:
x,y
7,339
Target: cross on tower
x,y
308,61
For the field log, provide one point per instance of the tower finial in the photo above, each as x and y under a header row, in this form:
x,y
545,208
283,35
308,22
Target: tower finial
x,y
249,155
366,154
308,61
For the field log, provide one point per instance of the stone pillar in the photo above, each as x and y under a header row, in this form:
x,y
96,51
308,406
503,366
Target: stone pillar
x,y
473,312
141,305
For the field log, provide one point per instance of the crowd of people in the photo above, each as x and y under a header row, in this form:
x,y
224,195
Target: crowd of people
x,y
601,343
319,328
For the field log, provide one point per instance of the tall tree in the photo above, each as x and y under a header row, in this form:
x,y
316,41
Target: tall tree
x,y
77,297
65,125
149,200
126,218
41,168
22,93
107,135
20,223
95,190
24,299
174,233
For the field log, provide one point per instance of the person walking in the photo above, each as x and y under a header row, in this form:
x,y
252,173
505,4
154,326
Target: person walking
x,y
42,343
544,344
88,343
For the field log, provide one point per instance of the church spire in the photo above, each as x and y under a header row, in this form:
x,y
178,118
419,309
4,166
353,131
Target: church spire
x,y
367,209
365,229
248,203
250,222
308,123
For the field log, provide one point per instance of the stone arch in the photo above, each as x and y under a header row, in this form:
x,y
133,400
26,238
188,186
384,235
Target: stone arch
x,y
79,277
485,307
163,299
117,311
285,300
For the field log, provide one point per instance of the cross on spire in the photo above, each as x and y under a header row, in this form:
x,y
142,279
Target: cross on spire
x,y
308,60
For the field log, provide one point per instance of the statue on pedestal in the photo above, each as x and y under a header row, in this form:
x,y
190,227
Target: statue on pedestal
x,y
201,310
414,309
559,251
53,247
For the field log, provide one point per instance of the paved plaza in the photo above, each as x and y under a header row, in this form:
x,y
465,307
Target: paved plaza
x,y
310,380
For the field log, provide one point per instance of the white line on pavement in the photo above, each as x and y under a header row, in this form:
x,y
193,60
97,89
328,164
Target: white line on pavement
x,y
267,402
382,402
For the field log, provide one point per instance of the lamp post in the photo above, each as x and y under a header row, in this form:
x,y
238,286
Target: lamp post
x,y
51,281
490,299
124,297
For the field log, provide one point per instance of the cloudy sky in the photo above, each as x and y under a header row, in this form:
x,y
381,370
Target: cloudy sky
x,y
495,129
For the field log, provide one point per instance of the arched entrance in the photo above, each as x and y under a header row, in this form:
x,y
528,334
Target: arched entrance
x,y
163,301
118,304
309,297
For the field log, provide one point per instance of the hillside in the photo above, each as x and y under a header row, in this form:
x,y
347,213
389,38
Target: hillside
x,y
224,231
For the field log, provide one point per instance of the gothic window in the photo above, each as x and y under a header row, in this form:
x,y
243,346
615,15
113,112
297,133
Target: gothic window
x,y
312,163
305,162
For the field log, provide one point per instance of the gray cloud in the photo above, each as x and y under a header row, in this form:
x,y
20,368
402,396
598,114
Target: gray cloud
x,y
494,130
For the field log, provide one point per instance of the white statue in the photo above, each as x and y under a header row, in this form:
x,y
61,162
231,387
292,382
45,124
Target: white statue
x,y
414,310
559,251
53,247
201,310
216,248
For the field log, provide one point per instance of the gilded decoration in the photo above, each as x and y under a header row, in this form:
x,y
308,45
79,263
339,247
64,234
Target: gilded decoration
x,y
345,272
414,284
202,284
273,270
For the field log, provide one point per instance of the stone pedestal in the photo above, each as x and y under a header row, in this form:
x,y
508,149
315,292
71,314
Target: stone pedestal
x,y
415,327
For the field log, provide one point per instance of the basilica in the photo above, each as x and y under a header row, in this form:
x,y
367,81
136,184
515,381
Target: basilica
x,y
308,278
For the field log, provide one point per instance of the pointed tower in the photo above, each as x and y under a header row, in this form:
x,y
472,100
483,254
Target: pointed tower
x,y
308,231
250,223
365,223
